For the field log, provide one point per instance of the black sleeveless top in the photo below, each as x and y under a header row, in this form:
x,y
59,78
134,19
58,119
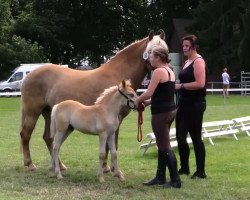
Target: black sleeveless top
x,y
187,76
162,99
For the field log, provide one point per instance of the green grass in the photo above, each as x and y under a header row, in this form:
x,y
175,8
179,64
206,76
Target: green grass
x,y
227,162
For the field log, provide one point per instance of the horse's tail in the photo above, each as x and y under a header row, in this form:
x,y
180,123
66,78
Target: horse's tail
x,y
22,117
53,122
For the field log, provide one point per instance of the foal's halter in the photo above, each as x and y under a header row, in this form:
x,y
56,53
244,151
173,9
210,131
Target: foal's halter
x,y
130,102
131,105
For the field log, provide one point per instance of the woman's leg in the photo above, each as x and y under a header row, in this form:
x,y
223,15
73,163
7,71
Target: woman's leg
x,y
196,135
182,120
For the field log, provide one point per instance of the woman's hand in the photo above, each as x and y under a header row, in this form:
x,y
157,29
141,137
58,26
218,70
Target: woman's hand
x,y
136,101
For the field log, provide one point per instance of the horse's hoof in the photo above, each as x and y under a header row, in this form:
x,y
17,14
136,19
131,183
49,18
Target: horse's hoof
x,y
106,169
62,167
59,176
31,167
101,179
52,174
121,178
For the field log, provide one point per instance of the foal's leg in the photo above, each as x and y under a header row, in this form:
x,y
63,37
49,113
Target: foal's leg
x,y
46,135
106,168
102,155
116,171
57,144
52,162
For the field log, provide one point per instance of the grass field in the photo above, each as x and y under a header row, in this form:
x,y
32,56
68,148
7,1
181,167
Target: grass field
x,y
227,162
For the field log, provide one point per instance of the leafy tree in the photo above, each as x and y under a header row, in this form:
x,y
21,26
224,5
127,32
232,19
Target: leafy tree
x,y
219,26
90,29
14,49
243,50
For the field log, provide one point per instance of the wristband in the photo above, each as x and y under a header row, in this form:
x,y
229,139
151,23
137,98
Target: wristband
x,y
182,86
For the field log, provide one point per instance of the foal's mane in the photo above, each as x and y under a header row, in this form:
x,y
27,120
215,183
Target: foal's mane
x,y
105,96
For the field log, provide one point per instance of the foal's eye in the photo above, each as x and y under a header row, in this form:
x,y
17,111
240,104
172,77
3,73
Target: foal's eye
x,y
131,95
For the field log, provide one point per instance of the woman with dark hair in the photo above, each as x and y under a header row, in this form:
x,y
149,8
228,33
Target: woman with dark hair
x,y
191,107
163,109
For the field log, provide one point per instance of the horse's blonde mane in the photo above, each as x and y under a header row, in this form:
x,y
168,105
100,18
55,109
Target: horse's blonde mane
x,y
128,48
106,94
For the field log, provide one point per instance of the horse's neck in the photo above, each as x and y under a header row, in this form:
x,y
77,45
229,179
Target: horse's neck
x,y
128,64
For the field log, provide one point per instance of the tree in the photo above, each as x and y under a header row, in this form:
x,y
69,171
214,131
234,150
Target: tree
x,y
89,29
14,49
219,26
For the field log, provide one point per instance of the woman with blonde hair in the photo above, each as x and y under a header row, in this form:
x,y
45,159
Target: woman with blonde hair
x,y
161,91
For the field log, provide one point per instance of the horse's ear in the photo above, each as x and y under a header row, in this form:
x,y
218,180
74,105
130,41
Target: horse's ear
x,y
123,83
162,34
151,35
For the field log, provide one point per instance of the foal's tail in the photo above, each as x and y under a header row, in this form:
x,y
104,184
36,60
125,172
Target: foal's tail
x,y
53,122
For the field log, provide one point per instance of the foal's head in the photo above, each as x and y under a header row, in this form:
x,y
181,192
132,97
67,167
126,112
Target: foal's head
x,y
124,89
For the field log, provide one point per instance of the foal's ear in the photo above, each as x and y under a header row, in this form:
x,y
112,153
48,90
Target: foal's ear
x,y
151,35
162,34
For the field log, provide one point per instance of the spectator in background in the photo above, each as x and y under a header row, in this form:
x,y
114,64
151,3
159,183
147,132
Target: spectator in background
x,y
225,79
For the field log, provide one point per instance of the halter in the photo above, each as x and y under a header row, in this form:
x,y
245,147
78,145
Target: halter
x,y
130,102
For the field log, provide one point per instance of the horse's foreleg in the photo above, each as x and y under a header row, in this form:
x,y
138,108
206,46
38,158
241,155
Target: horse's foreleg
x,y
102,155
115,169
26,131
46,135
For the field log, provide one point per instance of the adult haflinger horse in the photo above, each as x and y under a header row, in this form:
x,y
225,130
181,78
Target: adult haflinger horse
x,y
49,85
99,119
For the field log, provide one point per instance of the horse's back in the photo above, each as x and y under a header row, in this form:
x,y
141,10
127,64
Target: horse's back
x,y
52,84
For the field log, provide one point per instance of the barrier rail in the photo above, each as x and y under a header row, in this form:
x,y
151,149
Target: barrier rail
x,y
211,90
12,94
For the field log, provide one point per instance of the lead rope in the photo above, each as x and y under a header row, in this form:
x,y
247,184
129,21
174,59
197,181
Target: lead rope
x,y
140,122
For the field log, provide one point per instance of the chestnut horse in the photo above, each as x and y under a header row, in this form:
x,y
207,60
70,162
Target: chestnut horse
x,y
98,119
50,84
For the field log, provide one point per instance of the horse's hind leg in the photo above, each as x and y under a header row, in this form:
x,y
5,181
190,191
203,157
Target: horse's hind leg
x,y
46,135
28,126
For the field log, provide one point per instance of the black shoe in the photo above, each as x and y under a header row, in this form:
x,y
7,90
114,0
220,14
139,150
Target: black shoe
x,y
182,171
199,175
173,184
155,181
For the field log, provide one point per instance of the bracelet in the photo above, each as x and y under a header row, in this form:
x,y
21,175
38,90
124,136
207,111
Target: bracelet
x,y
182,86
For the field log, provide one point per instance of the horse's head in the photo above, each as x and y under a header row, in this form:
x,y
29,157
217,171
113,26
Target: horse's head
x,y
153,41
128,92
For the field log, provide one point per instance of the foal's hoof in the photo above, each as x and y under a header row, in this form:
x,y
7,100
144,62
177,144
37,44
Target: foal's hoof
x,y
31,167
119,175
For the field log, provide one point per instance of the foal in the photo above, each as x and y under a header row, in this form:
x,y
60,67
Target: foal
x,y
100,119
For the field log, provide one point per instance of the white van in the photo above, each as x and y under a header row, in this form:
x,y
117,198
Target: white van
x,y
14,82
